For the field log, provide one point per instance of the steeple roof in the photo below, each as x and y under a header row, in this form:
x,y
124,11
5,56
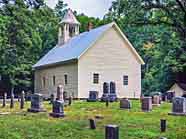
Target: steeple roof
x,y
69,18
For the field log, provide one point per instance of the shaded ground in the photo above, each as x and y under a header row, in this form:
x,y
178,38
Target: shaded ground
x,y
133,125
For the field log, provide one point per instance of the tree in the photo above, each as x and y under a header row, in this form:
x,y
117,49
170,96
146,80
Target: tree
x,y
60,9
26,35
157,30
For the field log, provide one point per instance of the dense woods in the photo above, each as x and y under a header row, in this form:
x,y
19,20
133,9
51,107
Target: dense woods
x,y
156,28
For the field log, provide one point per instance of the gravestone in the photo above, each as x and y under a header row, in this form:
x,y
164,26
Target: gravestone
x,y
170,96
4,99
164,97
92,124
65,97
105,92
70,101
146,104
111,132
141,97
112,95
22,101
156,100
12,100
178,106
163,125
93,96
60,91
52,98
57,109
36,103
125,103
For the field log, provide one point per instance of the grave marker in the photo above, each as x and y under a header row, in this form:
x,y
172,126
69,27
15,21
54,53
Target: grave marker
x,y
60,91
22,101
105,92
4,99
57,109
92,124
52,98
112,95
93,96
125,103
178,106
12,100
156,100
146,104
70,101
111,132
36,103
163,125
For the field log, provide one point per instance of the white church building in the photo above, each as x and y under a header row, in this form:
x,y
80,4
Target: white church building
x,y
83,62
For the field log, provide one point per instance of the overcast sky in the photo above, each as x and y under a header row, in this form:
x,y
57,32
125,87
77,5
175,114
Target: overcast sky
x,y
95,8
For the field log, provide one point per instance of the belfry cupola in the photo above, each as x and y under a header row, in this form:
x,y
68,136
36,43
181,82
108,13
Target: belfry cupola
x,y
68,27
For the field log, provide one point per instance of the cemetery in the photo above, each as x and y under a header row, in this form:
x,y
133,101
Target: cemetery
x,y
80,119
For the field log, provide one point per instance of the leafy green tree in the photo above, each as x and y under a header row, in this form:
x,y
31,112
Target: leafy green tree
x,y
157,29
26,36
60,9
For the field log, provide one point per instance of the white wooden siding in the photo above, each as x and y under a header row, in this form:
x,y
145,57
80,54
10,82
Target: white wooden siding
x,y
111,58
59,72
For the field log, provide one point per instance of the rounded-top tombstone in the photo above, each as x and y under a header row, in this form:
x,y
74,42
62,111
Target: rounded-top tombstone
x,y
112,95
105,88
60,91
57,109
105,95
112,87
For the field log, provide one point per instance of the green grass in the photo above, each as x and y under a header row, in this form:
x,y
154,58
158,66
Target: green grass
x,y
133,124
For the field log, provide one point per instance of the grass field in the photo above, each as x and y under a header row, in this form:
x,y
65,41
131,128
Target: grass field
x,y
133,124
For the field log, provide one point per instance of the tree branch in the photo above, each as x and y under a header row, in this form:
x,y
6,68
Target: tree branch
x,y
181,6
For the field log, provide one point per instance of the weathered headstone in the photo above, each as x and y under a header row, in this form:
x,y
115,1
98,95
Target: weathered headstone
x,y
12,100
93,96
146,104
111,132
4,99
60,91
22,101
125,103
65,96
70,101
178,106
105,92
156,100
36,103
57,109
92,124
164,97
170,96
163,125
52,98
112,95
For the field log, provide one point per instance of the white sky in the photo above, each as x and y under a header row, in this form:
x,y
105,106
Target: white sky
x,y
95,8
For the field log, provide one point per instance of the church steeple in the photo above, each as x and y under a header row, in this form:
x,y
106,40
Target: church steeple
x,y
68,27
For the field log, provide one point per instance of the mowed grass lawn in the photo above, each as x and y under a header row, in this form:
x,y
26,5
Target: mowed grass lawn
x,y
133,124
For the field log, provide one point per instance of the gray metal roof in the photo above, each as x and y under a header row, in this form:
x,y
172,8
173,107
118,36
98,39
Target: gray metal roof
x,y
74,48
